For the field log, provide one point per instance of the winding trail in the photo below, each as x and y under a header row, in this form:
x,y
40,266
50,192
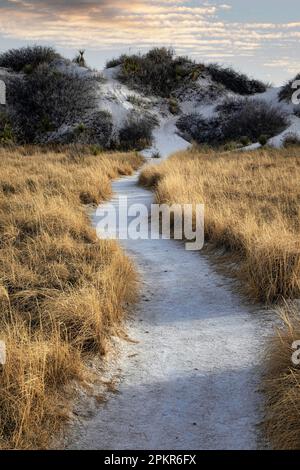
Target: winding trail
x,y
190,381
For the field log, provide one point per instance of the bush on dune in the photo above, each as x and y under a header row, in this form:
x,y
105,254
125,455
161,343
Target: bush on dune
x,y
255,118
161,73
229,106
47,99
291,139
136,133
96,129
199,129
237,82
115,62
158,72
51,104
236,120
27,59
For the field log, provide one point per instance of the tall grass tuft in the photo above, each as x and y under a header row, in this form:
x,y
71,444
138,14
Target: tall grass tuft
x,y
62,290
282,384
252,210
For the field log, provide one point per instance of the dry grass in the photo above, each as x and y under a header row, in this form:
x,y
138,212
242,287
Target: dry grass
x,y
282,385
62,291
251,210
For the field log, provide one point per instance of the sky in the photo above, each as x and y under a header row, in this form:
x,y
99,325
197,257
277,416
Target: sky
x,y
258,37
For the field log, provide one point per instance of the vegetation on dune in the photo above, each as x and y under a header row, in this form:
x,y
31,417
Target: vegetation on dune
x,y
291,139
161,72
47,99
96,128
255,118
234,81
27,59
136,132
158,72
46,102
53,104
62,290
237,120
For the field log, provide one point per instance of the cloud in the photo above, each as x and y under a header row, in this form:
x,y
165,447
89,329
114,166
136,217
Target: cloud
x,y
292,66
196,29
224,6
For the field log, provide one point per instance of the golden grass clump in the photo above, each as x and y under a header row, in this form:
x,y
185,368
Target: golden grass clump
x,y
282,385
62,291
251,210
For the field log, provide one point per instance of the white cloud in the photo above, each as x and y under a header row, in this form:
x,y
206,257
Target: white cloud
x,y
103,24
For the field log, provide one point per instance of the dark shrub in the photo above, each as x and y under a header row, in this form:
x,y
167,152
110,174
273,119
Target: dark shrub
x,y
136,134
196,127
291,139
115,62
174,107
161,73
251,118
254,119
96,129
230,106
158,72
46,99
235,81
287,90
263,139
244,140
27,58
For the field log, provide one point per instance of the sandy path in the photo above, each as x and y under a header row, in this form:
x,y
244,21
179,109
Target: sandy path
x,y
191,380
